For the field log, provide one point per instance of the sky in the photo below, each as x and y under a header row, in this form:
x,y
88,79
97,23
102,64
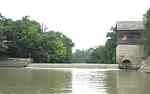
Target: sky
x,y
86,22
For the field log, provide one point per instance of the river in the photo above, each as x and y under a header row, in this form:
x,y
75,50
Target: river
x,y
72,81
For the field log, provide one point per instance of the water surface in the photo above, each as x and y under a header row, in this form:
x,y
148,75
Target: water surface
x,y
73,81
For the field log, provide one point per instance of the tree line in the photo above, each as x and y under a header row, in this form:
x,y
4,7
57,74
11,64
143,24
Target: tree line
x,y
25,39
107,54
102,54
146,35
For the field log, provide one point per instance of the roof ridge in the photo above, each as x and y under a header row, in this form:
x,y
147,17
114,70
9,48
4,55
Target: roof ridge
x,y
129,25
129,21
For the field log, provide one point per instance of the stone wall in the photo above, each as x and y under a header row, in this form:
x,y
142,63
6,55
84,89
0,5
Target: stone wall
x,y
133,53
15,62
145,66
76,65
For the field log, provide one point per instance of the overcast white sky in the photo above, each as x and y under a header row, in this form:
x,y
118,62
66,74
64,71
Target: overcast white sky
x,y
86,22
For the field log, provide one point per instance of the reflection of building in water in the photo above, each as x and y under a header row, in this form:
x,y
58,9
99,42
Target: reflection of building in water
x,y
132,82
129,51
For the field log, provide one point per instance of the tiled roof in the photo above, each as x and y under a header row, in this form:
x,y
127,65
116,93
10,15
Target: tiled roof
x,y
129,25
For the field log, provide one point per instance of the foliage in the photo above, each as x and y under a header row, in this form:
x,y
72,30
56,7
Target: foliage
x,y
24,38
106,54
98,55
147,33
5,27
82,56
110,47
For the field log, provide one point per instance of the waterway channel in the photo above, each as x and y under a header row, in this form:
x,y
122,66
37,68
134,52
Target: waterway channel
x,y
73,81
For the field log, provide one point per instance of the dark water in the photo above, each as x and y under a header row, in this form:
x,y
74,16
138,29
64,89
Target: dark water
x,y
73,81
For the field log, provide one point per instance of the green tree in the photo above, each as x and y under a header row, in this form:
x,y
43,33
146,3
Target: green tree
x,y
82,56
147,33
106,54
110,48
6,26
98,55
56,47
24,38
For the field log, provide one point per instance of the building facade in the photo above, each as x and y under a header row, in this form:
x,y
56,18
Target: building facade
x,y
129,50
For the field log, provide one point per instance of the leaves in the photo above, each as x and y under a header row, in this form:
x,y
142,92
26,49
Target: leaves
x,y
28,41
146,40
106,54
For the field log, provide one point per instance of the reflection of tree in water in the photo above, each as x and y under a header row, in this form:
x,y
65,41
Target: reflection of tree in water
x,y
34,81
22,81
53,81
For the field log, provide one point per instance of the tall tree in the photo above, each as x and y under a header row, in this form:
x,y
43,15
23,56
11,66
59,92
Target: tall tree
x,y
147,33
106,54
6,26
24,38
110,47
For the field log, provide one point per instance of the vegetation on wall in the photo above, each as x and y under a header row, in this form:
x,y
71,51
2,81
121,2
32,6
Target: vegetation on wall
x,y
147,33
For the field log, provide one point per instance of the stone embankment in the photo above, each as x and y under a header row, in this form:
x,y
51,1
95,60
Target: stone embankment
x,y
15,62
145,66
46,65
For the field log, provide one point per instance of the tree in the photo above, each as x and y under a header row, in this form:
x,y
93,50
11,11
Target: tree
x,y
26,33
56,47
25,39
5,27
146,40
82,56
98,55
110,48
105,54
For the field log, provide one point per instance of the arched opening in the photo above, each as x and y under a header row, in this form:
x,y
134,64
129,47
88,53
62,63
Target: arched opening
x,y
126,64
126,61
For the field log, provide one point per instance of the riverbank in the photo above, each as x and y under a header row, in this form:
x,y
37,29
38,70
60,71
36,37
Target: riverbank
x,y
45,65
15,62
